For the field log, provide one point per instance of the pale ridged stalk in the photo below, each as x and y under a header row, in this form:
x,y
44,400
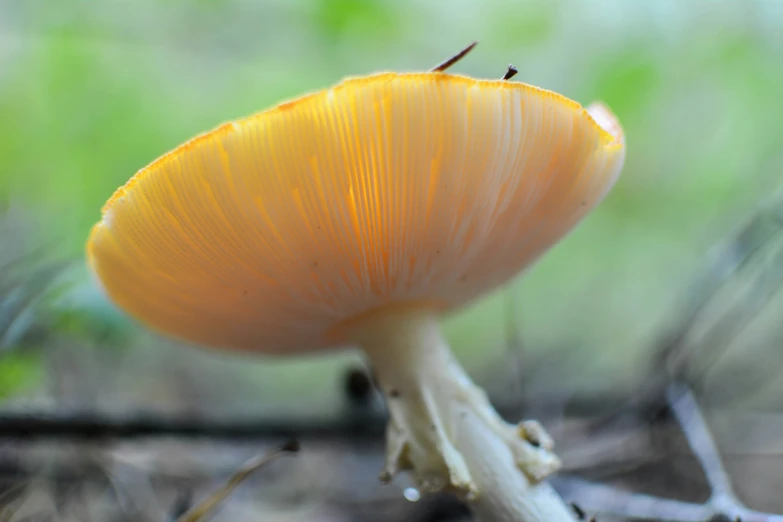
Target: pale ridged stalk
x,y
443,428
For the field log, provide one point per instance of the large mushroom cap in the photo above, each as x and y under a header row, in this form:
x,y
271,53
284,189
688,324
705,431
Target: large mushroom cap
x,y
423,189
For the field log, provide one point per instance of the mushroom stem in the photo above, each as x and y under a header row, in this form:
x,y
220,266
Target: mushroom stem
x,y
443,428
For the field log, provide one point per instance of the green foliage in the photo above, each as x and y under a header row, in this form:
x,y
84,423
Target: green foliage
x,y
19,373
83,312
91,92
371,19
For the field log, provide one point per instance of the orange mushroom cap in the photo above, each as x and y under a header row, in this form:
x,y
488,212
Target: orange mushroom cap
x,y
416,189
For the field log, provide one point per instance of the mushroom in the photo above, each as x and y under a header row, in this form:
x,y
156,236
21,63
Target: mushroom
x,y
357,216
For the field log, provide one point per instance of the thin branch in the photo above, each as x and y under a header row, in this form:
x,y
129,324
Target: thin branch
x,y
600,498
722,502
515,348
203,508
686,410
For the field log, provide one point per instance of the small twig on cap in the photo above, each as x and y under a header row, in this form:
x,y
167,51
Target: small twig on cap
x,y
454,59
198,512
510,73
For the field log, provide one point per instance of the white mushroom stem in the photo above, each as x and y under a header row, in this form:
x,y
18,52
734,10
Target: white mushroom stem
x,y
443,428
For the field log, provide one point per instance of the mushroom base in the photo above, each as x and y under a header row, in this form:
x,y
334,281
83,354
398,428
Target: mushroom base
x,y
443,428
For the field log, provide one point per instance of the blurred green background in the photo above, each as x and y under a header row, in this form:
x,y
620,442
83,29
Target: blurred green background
x,y
92,91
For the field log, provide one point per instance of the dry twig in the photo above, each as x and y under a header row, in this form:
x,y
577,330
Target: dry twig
x,y
202,509
723,504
